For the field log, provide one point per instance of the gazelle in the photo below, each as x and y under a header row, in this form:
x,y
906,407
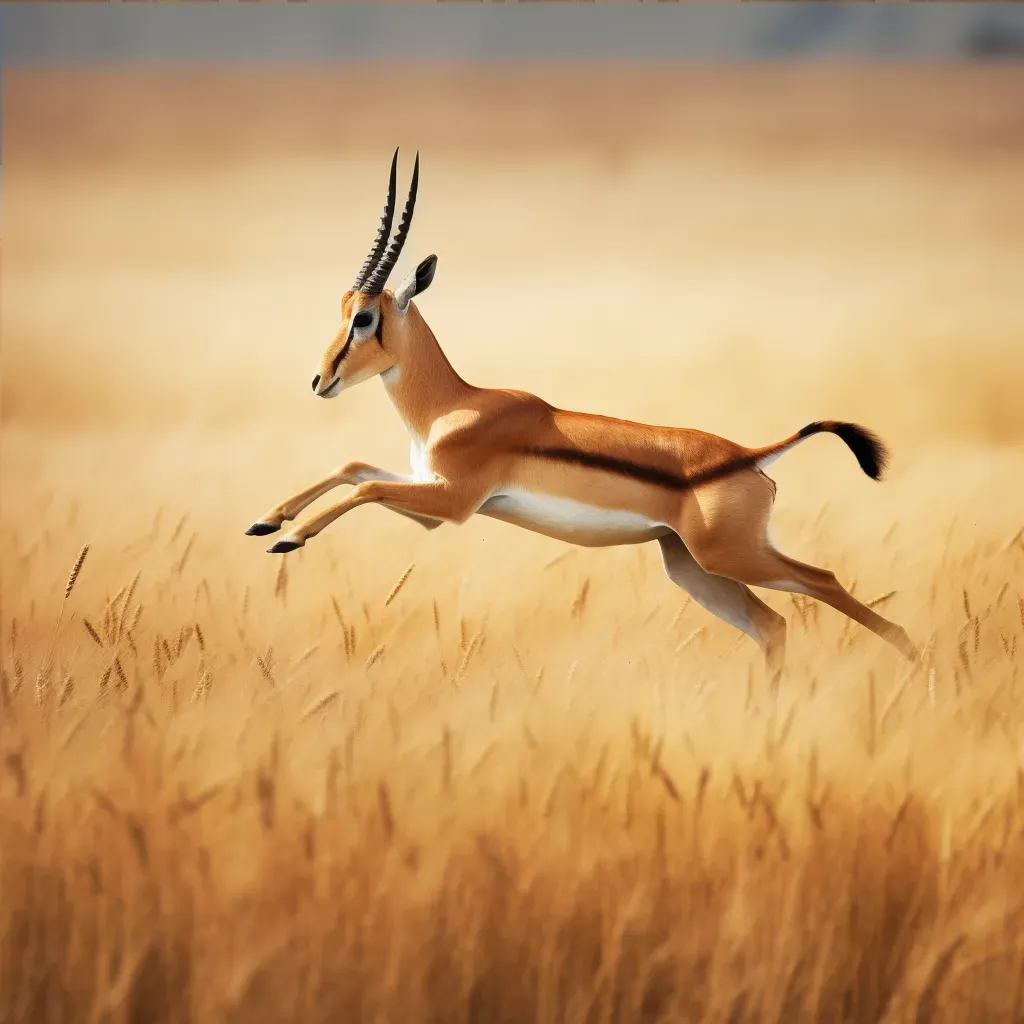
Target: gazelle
x,y
586,479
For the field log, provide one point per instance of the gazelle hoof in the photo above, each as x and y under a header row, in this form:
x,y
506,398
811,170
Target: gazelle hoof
x,y
283,546
261,529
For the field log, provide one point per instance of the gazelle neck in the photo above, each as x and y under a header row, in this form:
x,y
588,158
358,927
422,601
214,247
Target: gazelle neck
x,y
423,385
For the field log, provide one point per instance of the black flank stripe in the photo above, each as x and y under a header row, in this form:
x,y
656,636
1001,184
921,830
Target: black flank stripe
x,y
638,471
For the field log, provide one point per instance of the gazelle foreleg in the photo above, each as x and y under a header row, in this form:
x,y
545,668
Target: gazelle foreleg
x,y
350,473
438,500
729,600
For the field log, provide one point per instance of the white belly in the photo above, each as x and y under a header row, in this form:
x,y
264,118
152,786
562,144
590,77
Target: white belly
x,y
573,521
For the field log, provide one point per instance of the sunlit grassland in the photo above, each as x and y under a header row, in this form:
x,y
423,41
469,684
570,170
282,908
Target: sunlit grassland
x,y
473,774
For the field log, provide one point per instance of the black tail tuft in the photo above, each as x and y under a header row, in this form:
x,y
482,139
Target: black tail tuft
x,y
871,454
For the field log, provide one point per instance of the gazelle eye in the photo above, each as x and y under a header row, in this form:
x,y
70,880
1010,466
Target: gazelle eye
x,y
362,319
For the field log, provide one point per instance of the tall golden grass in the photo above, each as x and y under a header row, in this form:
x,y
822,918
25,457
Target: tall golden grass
x,y
473,774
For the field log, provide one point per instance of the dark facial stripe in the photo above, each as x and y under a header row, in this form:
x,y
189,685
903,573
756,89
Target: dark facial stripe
x,y
348,344
638,471
344,352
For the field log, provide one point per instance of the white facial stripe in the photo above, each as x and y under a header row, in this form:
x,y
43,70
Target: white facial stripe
x,y
356,336
357,333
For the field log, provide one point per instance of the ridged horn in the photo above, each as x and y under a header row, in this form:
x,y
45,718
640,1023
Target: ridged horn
x,y
383,232
378,278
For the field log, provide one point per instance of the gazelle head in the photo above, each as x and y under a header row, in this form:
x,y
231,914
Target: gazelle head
x,y
372,335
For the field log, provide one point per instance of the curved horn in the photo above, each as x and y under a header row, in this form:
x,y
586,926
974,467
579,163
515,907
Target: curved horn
x,y
383,232
375,284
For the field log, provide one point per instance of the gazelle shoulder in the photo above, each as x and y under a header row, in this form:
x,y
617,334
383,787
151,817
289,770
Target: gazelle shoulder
x,y
490,422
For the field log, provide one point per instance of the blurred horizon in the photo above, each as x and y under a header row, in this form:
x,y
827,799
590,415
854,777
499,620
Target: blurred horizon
x,y
220,32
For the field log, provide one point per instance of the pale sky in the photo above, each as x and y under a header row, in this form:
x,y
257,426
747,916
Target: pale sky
x,y
39,33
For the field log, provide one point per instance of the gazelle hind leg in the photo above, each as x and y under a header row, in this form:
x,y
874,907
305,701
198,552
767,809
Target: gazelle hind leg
x,y
729,599
725,527
800,578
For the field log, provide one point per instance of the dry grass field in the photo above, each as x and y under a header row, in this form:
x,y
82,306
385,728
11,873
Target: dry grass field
x,y
535,783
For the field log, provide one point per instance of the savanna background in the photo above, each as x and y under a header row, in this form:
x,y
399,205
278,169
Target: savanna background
x,y
536,782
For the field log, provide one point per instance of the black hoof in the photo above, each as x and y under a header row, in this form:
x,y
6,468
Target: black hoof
x,y
261,529
282,547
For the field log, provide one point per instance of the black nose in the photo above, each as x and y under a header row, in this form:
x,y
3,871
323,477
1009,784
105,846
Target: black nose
x,y
316,382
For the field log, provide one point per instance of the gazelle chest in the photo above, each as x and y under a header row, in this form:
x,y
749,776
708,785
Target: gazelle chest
x,y
419,460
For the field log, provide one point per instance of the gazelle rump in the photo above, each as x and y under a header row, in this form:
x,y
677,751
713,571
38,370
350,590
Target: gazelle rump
x,y
586,479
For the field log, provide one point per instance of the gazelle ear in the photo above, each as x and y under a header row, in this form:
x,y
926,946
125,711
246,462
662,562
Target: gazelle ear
x,y
418,281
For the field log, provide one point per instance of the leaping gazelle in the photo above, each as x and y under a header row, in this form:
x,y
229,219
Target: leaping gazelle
x,y
586,479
